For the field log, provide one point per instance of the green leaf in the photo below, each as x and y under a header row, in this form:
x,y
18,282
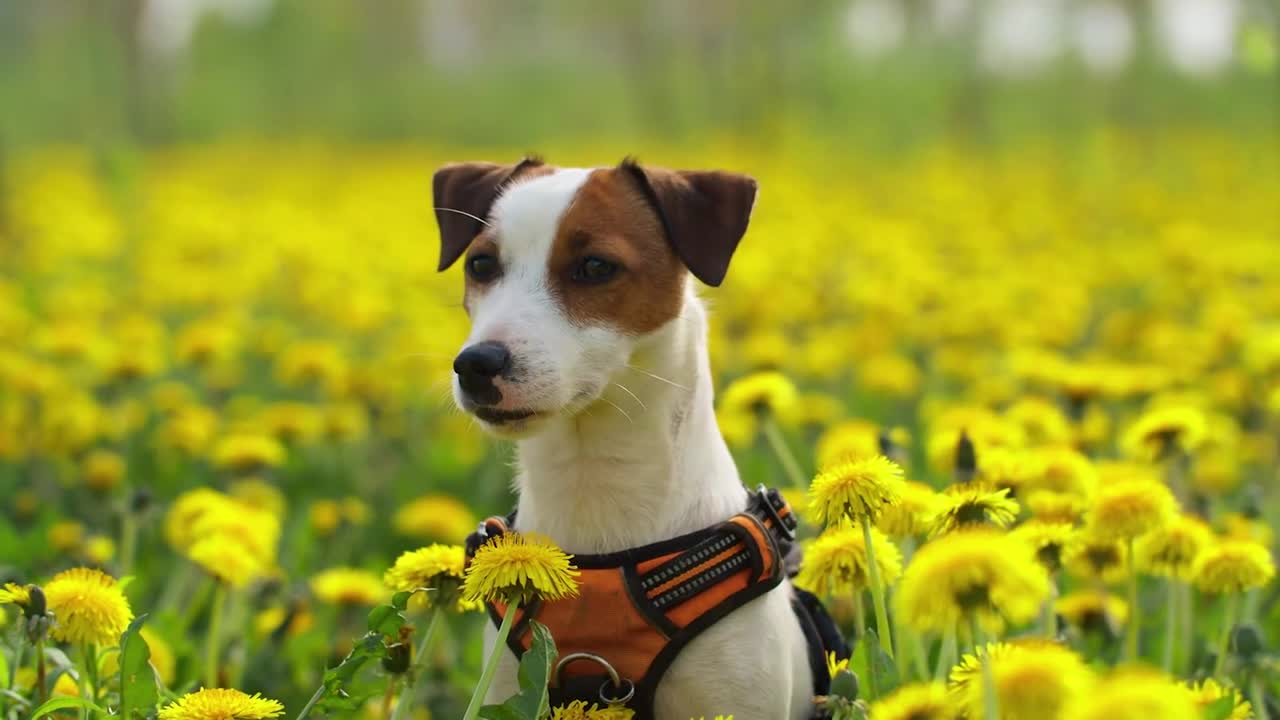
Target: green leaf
x,y
499,712
4,671
367,648
532,701
1219,709
138,692
400,600
386,620
64,703
879,668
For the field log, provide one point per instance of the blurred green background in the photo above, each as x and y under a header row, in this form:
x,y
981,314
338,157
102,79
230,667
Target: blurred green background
x,y
879,73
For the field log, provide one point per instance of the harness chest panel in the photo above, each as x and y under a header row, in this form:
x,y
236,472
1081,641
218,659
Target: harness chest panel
x,y
638,608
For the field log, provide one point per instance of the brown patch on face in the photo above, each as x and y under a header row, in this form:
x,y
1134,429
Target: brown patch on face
x,y
483,244
611,220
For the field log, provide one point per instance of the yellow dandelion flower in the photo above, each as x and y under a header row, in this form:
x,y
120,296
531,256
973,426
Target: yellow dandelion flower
x,y
968,506
99,549
1055,507
1049,540
916,505
439,568
1171,550
259,494
1233,566
1093,611
1002,468
855,489
1238,526
836,562
1033,681
919,701
980,571
186,510
1135,694
66,536
848,440
518,566
1061,470
1093,558
579,710
102,470
1124,510
64,687
1208,692
14,594
348,586
767,392
355,511
221,704
88,607
834,666
435,517
1041,421
225,557
325,516
245,453
1165,430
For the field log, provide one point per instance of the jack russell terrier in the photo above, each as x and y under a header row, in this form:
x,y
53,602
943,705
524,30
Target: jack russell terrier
x,y
588,348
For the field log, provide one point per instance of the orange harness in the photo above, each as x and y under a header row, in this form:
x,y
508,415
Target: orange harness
x,y
637,609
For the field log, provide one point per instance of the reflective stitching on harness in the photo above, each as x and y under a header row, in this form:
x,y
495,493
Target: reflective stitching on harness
x,y
700,582
691,559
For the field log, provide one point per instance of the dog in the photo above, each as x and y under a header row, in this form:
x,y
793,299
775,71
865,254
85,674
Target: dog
x,y
588,348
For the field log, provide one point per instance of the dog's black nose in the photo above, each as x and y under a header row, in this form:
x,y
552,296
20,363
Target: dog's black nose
x,y
477,366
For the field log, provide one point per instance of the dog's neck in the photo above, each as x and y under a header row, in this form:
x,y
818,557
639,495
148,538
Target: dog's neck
x,y
645,463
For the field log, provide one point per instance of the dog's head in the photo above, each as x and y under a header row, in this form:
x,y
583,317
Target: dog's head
x,y
568,270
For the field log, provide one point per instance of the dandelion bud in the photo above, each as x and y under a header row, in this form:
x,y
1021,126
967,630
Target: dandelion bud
x,y
966,459
845,685
1246,641
396,659
139,500
36,605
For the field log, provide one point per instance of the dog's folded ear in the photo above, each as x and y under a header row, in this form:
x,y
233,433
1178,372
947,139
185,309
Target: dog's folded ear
x,y
704,213
462,196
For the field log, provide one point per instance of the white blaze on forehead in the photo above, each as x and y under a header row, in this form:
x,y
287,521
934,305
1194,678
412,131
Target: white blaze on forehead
x,y
526,216
524,219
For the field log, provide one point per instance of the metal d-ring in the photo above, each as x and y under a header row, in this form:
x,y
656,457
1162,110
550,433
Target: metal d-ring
x,y
618,682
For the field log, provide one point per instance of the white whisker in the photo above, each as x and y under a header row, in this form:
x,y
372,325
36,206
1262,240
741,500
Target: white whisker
x,y
615,407
480,220
635,397
672,383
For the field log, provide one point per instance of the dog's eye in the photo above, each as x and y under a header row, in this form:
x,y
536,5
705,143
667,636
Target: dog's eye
x,y
482,268
594,270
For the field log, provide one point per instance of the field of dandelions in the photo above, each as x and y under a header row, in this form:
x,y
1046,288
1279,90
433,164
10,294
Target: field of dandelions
x,y
1043,386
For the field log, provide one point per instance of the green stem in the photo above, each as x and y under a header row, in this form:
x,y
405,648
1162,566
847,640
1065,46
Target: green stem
x,y
419,665
778,444
1258,699
1131,628
42,673
1224,641
918,656
946,656
1170,623
491,664
128,541
89,681
1186,623
990,703
213,646
1048,616
877,590
315,698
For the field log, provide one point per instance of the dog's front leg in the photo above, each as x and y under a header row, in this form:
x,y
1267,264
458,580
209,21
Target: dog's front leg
x,y
505,683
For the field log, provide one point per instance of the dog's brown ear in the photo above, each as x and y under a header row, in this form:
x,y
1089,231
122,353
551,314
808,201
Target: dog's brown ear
x,y
704,213
463,194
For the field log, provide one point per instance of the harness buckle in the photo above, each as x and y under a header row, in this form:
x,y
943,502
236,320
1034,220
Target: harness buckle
x,y
771,501
623,687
